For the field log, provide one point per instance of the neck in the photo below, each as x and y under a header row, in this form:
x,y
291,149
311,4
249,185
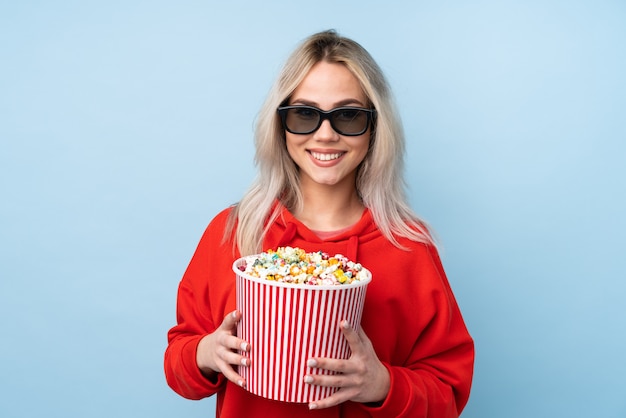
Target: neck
x,y
330,208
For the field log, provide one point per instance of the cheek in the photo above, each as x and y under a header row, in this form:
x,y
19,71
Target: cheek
x,y
290,148
362,147
294,145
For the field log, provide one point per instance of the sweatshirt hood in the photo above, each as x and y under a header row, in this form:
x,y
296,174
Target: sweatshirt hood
x,y
289,231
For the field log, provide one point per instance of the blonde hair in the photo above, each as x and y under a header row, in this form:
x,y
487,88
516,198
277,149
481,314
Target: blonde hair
x,y
380,182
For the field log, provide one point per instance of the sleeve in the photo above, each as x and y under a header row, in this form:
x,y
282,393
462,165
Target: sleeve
x,y
194,321
435,378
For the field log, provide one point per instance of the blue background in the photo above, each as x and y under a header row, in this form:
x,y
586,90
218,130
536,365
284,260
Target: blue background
x,y
126,125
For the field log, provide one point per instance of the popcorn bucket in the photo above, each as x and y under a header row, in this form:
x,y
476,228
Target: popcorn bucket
x,y
287,324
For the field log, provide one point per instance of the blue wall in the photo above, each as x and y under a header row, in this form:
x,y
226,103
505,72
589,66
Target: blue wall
x,y
126,125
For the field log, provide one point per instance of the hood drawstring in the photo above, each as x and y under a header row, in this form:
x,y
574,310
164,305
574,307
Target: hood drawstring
x,y
290,232
353,248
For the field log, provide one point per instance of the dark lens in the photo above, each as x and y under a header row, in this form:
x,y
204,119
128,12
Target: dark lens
x,y
350,121
302,119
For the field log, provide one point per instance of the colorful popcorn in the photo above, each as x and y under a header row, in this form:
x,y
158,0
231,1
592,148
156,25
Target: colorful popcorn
x,y
296,266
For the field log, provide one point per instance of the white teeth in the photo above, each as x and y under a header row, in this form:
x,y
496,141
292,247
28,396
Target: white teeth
x,y
325,157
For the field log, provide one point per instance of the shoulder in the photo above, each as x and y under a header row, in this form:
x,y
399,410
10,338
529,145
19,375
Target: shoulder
x,y
222,219
424,252
217,231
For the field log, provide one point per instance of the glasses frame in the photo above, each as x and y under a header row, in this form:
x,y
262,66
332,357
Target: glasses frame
x,y
326,115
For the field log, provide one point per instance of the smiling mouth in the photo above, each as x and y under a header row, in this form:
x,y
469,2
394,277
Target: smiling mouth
x,y
326,157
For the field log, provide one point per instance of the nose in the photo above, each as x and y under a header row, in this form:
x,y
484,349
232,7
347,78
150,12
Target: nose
x,y
326,132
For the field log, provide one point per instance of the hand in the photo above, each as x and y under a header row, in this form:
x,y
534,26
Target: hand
x,y
361,378
216,352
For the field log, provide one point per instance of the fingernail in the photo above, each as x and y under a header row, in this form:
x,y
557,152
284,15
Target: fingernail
x,y
312,406
308,379
235,314
244,346
240,383
345,324
244,361
311,363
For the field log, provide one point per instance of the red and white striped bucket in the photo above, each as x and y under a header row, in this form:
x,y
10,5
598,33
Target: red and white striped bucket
x,y
287,324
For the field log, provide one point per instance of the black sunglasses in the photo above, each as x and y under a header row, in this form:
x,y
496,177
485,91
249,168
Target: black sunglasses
x,y
348,121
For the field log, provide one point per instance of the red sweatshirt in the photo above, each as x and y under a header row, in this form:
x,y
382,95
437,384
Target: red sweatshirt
x,y
410,315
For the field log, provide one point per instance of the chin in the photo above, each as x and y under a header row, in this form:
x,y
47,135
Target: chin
x,y
328,181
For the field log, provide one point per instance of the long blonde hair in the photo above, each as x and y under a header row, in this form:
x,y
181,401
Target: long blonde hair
x,y
380,182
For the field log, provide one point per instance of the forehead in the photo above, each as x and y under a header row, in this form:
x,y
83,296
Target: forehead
x,y
327,84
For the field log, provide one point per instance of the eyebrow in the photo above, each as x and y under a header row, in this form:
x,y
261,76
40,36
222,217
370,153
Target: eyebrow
x,y
341,103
